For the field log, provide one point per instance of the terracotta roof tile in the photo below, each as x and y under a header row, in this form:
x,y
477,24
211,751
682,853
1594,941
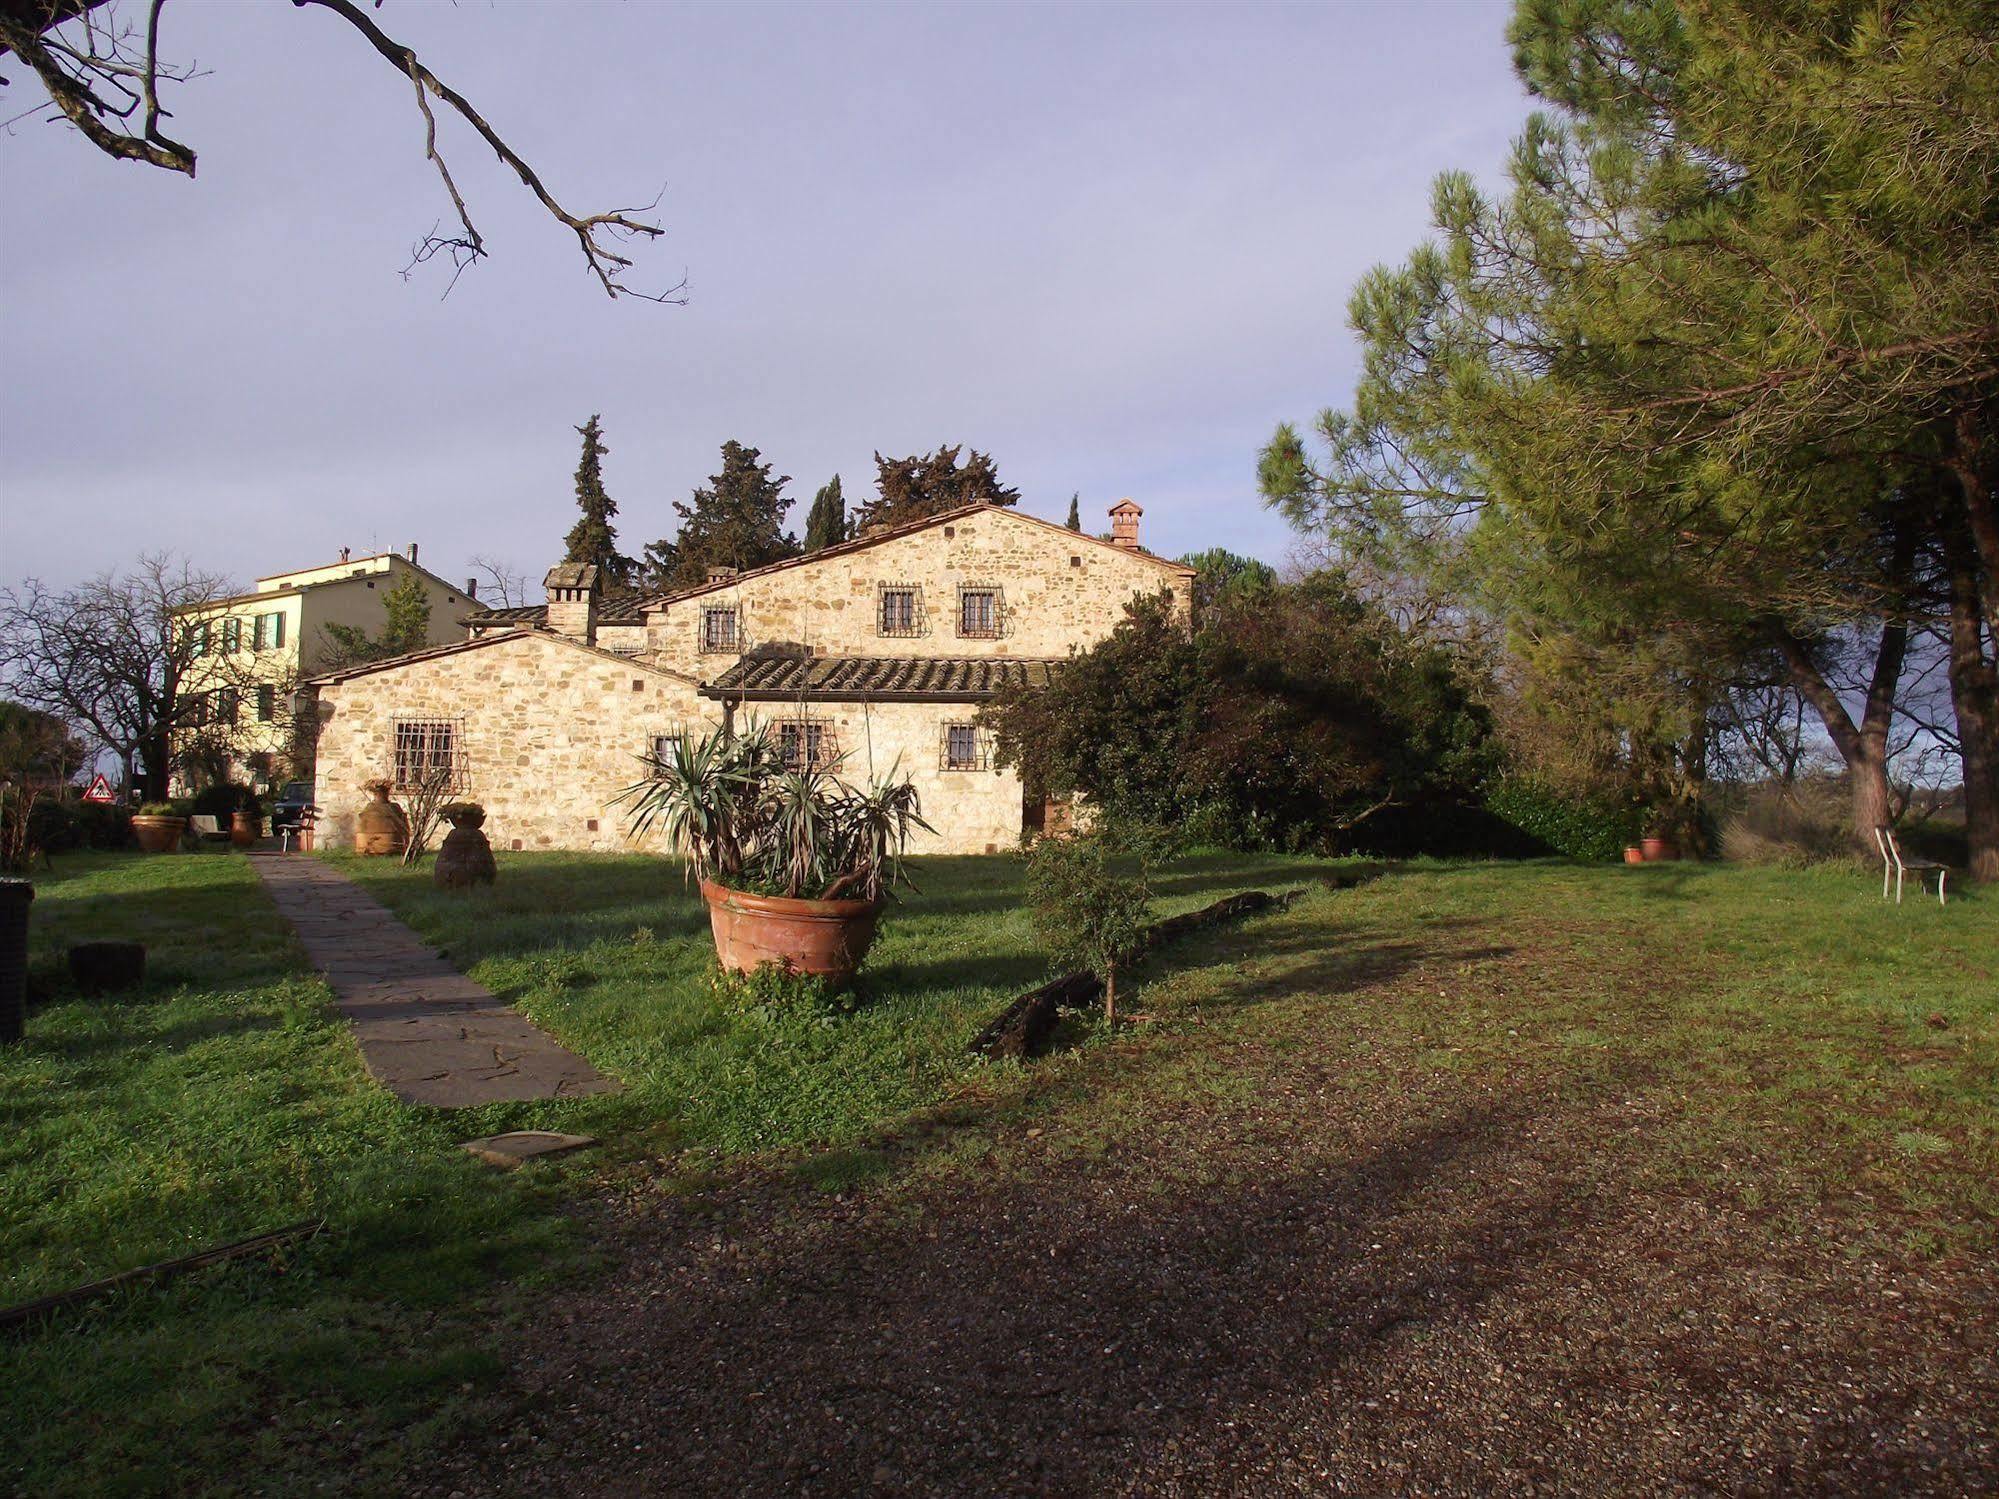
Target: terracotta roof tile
x,y
891,678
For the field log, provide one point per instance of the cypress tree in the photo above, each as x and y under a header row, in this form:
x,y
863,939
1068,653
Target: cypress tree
x,y
827,524
593,538
1075,521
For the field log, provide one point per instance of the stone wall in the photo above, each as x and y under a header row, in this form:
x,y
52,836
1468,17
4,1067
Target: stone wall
x,y
550,731
1060,592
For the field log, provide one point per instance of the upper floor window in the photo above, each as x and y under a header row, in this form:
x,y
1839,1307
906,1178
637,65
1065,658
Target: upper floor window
x,y
267,703
199,636
427,749
268,632
901,609
979,613
232,634
718,629
806,745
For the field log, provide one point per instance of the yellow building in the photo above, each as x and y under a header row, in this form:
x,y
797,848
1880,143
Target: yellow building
x,y
246,654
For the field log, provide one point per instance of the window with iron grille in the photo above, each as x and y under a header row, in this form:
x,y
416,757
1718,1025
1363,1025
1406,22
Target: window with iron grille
x,y
806,745
900,611
426,747
966,748
718,630
664,750
979,613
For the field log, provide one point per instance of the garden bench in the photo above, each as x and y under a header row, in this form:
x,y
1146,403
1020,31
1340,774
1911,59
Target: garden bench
x,y
1893,863
207,828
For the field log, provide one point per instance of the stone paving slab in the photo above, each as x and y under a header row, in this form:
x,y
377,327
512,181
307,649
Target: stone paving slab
x,y
426,1031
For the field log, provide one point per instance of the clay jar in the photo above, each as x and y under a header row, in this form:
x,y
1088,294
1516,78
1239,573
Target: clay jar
x,y
466,859
381,829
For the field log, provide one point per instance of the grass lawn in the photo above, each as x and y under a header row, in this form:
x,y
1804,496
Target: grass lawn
x,y
1801,1045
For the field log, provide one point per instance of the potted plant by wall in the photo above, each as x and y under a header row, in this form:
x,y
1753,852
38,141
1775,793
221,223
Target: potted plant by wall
x,y
246,823
381,828
1660,843
466,859
157,826
794,863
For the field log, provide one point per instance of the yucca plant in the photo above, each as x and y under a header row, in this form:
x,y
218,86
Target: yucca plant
x,y
728,804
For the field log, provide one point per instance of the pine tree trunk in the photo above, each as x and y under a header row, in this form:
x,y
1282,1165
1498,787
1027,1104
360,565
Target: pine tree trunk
x,y
1863,747
1974,695
1110,995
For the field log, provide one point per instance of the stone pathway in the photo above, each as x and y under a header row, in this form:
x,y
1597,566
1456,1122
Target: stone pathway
x,y
426,1031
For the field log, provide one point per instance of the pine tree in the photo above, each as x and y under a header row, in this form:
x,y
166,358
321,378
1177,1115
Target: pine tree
x,y
928,484
405,628
736,521
593,538
1075,521
827,524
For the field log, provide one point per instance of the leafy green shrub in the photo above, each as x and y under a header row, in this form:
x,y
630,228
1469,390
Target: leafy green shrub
x,y
1088,911
1595,829
178,808
775,993
223,801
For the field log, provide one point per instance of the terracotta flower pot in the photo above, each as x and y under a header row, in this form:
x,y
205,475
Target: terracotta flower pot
x,y
245,828
1633,854
1659,850
157,835
828,938
466,859
381,828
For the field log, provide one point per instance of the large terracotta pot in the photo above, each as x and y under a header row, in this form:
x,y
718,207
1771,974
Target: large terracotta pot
x,y
1633,854
466,859
1659,850
245,828
381,828
828,938
158,835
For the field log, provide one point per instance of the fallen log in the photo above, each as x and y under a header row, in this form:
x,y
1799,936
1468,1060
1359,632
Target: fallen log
x,y
15,1317
1022,1029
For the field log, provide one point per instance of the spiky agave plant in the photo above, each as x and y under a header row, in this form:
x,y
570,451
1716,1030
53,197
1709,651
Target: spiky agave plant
x,y
728,804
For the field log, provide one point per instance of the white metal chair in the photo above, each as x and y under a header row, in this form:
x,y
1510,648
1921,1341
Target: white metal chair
x,y
1892,863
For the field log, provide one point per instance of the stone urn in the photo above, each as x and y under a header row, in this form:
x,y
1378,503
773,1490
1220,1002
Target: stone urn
x,y
381,829
466,859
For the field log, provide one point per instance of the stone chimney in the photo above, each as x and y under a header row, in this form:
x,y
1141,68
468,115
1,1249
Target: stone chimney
x,y
471,588
1124,524
721,574
574,589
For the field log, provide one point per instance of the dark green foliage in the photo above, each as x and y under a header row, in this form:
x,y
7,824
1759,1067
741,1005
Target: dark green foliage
x,y
593,538
1075,520
1291,720
921,485
737,521
826,525
224,801
1091,899
1221,576
1596,829
36,746
405,628
56,827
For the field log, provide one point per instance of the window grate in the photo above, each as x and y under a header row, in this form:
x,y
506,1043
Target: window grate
x,y
965,746
426,748
981,613
719,632
803,744
899,611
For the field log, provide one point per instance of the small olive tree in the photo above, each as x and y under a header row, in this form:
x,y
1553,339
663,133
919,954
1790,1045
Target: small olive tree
x,y
1092,901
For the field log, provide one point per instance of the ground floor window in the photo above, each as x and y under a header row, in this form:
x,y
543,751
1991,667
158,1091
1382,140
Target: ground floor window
x,y
965,747
663,750
426,748
806,745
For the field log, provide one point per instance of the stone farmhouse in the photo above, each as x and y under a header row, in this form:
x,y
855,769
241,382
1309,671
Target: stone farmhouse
x,y
880,650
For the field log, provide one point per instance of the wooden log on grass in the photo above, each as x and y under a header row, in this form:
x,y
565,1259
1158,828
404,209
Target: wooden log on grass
x,y
14,1318
1022,1029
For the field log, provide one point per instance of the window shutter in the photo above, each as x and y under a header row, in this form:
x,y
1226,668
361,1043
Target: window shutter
x,y
277,632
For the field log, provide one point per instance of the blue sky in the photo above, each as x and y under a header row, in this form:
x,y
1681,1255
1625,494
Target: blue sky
x,y
1110,245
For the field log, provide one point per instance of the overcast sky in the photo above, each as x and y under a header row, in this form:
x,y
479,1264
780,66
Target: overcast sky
x,y
1110,245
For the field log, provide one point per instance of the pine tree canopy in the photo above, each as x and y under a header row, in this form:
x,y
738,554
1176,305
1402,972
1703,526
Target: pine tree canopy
x,y
736,520
909,489
593,538
405,628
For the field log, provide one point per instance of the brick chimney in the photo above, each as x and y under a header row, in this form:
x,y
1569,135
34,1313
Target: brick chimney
x,y
574,589
1124,524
